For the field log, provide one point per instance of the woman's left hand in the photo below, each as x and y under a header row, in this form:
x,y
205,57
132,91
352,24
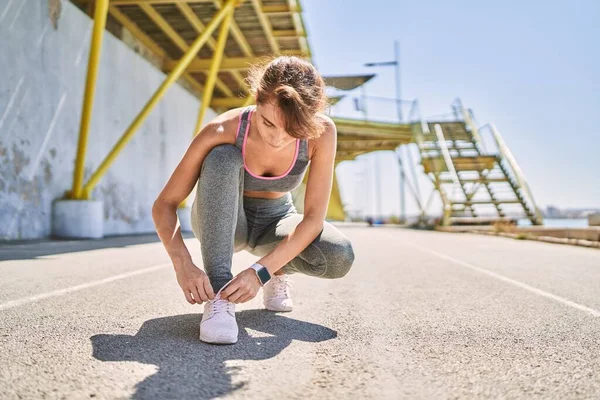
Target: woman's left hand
x,y
242,288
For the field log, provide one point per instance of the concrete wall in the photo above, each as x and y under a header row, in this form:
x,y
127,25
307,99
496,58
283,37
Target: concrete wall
x,y
42,78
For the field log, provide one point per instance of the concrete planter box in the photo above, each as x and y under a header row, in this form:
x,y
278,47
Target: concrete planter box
x,y
80,219
594,219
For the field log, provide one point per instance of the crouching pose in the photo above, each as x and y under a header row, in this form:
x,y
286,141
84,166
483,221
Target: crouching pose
x,y
245,162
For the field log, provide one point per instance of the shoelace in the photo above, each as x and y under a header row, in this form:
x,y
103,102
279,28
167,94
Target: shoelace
x,y
218,305
281,286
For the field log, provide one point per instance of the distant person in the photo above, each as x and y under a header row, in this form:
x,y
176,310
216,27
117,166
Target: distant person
x,y
245,163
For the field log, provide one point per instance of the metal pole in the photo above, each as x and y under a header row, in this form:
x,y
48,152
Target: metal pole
x,y
100,15
211,80
397,69
400,120
378,188
402,186
364,101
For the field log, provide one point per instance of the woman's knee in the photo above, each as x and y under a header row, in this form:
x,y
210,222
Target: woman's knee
x,y
222,159
339,261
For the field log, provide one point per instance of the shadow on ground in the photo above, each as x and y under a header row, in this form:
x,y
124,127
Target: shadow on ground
x,y
188,368
31,249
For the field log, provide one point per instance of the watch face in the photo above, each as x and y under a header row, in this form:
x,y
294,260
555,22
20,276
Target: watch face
x,y
264,275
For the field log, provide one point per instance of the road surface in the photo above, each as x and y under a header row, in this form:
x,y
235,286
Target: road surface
x,y
421,315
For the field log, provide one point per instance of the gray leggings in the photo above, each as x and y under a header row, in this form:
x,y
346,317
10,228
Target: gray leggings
x,y
226,222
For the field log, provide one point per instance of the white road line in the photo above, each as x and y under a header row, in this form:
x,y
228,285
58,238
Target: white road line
x,y
60,292
522,285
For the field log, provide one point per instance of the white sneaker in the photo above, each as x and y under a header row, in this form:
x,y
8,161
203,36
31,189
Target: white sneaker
x,y
218,323
276,294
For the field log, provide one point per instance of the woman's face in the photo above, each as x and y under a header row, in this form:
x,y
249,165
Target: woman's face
x,y
270,126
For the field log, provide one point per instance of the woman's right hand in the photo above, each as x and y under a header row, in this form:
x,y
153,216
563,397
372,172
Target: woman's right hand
x,y
194,282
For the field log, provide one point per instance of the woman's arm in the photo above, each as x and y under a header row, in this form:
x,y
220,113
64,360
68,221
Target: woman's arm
x,y
179,186
316,200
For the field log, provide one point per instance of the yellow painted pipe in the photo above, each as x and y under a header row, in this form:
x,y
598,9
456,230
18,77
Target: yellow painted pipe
x,y
171,78
335,209
100,15
211,80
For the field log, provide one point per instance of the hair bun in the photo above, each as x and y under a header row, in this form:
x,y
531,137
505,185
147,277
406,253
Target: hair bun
x,y
287,92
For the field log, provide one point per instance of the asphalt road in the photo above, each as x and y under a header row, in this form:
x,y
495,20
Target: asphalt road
x,y
422,315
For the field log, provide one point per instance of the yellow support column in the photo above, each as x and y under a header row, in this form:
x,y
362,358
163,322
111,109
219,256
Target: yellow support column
x,y
211,80
100,15
171,78
335,210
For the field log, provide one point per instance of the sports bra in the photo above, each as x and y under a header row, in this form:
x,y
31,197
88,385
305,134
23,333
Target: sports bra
x,y
289,181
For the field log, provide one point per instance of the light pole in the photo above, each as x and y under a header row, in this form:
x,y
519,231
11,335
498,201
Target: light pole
x,y
396,64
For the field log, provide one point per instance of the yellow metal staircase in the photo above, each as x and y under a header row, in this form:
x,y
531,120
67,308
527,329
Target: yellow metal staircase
x,y
476,186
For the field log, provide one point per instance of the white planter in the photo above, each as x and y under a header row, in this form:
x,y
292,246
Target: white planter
x,y
185,219
81,219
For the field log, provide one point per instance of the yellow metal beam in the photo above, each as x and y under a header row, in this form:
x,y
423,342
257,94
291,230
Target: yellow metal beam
x,y
249,100
299,25
282,9
137,32
193,19
228,64
285,34
139,2
237,33
335,210
214,69
171,78
150,44
266,25
228,103
100,15
176,38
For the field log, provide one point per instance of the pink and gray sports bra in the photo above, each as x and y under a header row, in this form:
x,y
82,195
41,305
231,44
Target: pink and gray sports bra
x,y
289,181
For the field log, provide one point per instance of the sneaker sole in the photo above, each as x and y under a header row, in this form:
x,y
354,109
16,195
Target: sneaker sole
x,y
217,340
279,310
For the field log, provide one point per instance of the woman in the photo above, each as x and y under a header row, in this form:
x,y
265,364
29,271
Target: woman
x,y
245,163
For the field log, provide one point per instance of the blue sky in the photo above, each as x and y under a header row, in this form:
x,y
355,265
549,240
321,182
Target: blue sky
x,y
530,67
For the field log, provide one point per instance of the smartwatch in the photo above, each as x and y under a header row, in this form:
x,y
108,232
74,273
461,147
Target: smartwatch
x,y
262,273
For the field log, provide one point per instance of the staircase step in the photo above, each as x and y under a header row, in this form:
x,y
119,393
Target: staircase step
x,y
470,202
482,180
461,163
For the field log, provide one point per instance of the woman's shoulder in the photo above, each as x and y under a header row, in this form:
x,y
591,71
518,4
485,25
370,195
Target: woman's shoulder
x,y
225,125
327,137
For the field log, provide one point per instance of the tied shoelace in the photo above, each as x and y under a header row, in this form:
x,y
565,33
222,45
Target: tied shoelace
x,y
218,305
281,286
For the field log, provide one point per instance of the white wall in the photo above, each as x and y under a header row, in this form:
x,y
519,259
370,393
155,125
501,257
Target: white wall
x,y
42,79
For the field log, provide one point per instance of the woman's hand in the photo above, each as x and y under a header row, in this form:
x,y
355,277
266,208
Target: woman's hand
x,y
242,288
194,283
